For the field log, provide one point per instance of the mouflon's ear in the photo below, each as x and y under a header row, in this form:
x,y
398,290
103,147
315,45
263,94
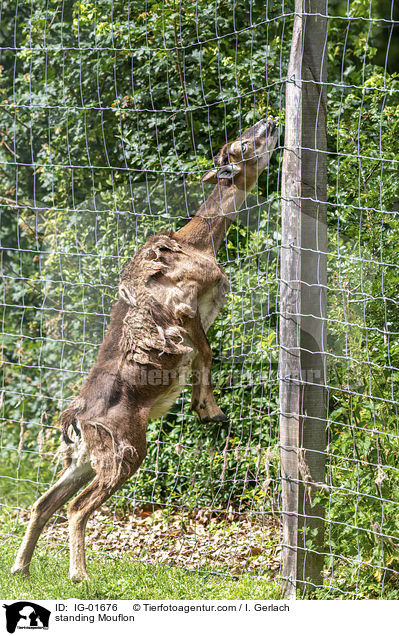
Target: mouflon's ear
x,y
210,176
224,172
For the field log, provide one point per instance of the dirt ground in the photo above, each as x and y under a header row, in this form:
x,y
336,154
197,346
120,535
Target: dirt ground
x,y
198,540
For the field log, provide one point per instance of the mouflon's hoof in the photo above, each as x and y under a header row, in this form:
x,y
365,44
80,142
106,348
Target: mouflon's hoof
x,y
16,569
79,577
218,419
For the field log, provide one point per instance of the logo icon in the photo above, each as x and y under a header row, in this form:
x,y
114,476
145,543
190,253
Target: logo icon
x,y
26,615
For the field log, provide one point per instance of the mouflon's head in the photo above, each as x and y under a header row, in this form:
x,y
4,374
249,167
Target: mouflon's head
x,y
242,161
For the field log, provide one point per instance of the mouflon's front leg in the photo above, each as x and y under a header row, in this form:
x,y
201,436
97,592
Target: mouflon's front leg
x,y
203,400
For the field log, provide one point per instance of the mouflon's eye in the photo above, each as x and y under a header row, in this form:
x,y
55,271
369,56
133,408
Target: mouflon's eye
x,y
244,147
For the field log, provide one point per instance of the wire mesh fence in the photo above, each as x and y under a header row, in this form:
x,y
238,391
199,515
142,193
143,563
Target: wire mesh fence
x,y
109,114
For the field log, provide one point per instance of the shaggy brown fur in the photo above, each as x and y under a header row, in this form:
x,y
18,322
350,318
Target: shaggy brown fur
x,y
169,295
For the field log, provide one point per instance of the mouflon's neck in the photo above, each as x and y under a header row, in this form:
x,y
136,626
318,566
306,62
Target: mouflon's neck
x,y
207,228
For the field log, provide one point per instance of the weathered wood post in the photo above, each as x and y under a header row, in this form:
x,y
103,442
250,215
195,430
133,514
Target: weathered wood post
x,y
290,309
303,299
312,434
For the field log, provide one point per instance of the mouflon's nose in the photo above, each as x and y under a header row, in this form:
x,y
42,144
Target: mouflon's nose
x,y
265,127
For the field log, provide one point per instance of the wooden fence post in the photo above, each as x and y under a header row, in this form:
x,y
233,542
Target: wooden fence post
x,y
312,434
303,299
290,310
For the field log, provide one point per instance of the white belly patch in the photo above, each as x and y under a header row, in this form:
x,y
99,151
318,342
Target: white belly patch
x,y
211,303
167,398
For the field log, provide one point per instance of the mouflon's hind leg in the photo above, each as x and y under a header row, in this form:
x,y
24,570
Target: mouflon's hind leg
x,y
114,464
72,478
203,399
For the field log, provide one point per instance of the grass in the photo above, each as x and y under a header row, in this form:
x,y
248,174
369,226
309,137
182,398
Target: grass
x,y
120,579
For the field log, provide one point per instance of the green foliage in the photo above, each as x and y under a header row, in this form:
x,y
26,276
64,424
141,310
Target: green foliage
x,y
363,317
104,93
108,114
